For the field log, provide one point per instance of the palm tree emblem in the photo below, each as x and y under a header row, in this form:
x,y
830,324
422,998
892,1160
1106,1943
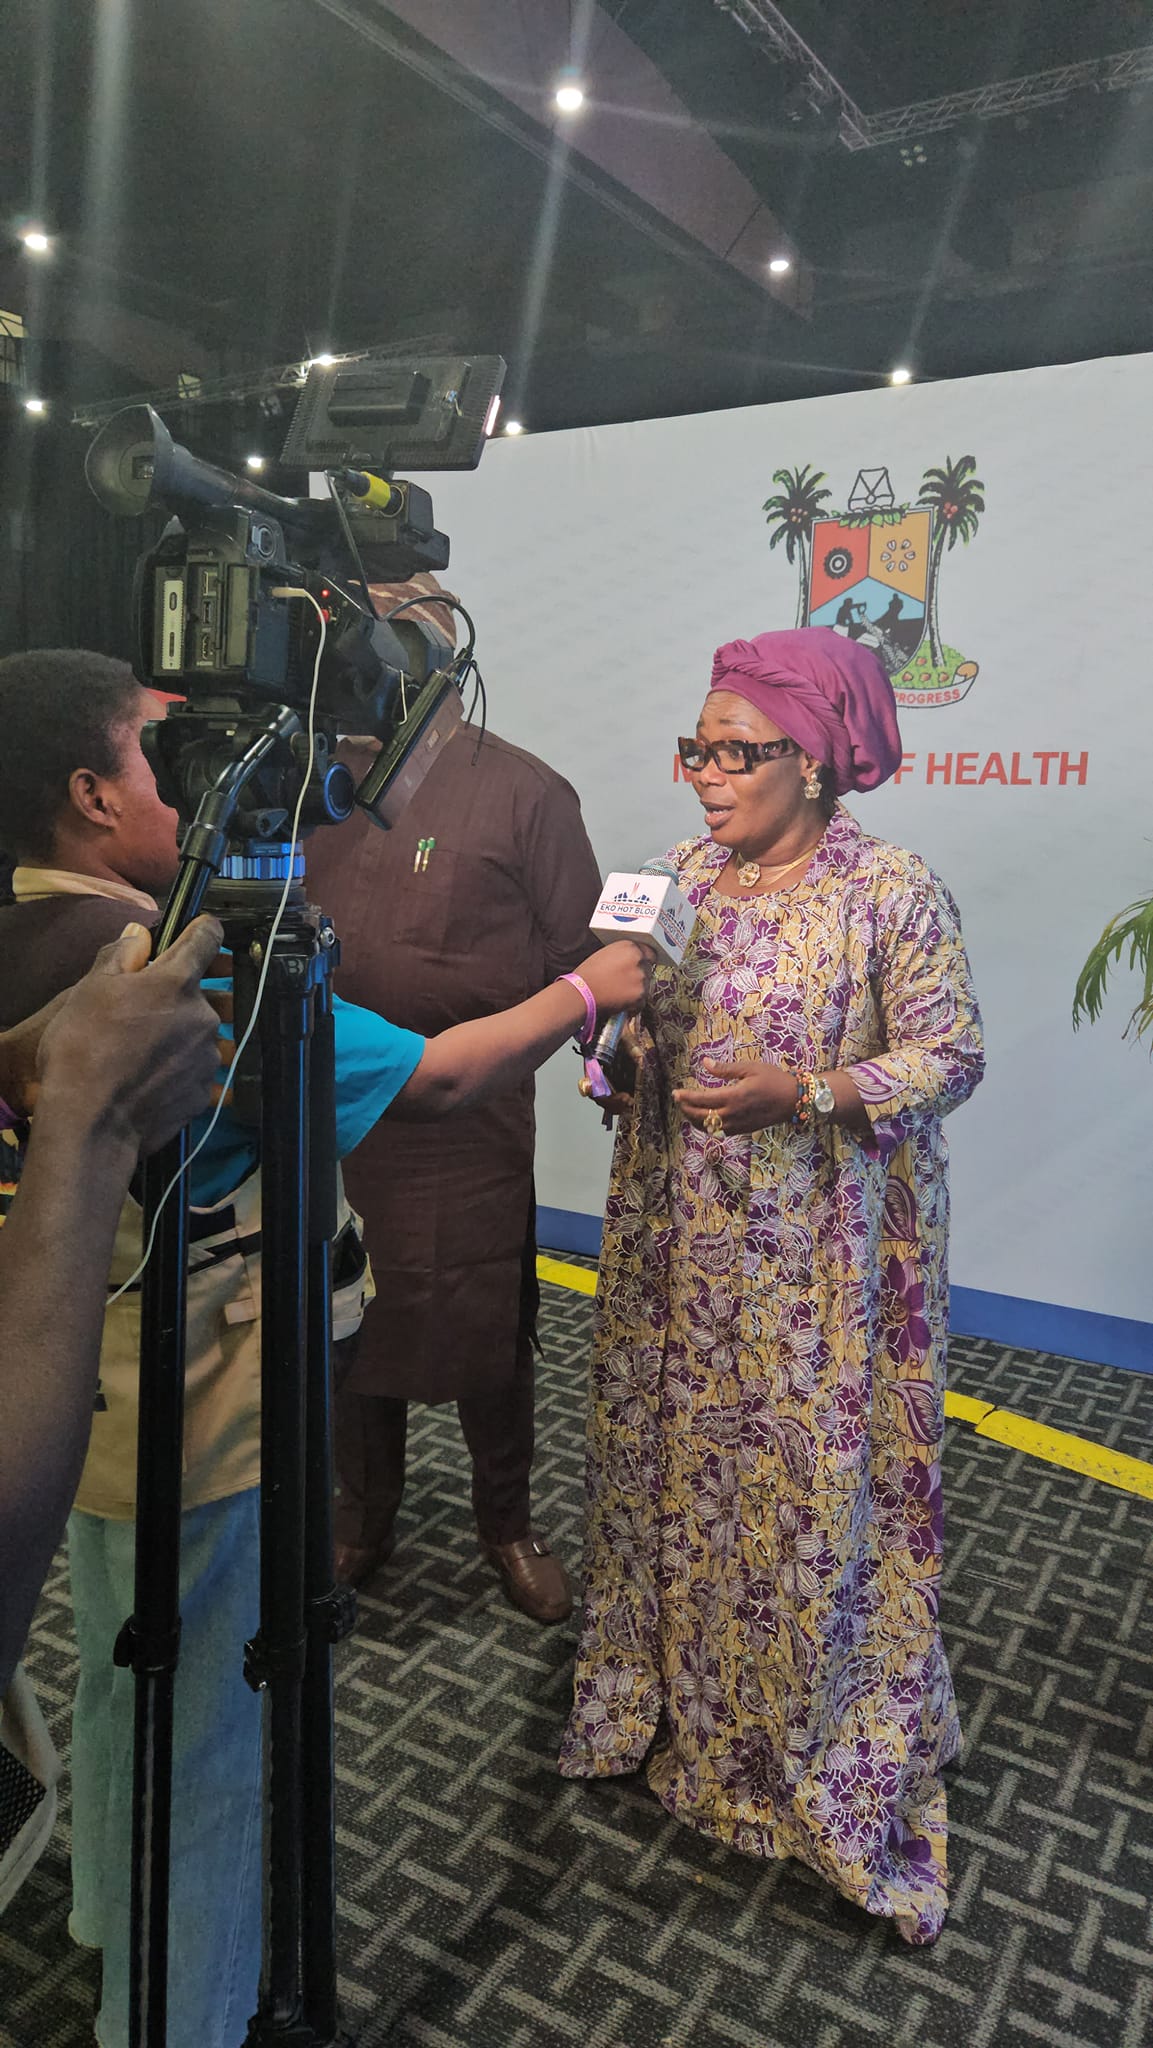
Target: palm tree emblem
x,y
955,495
791,513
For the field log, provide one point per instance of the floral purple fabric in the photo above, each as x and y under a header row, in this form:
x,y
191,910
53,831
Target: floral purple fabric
x,y
764,1541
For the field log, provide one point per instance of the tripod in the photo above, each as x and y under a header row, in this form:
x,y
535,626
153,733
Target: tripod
x,y
302,1613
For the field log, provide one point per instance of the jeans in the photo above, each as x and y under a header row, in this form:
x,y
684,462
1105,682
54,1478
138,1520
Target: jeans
x,y
214,1917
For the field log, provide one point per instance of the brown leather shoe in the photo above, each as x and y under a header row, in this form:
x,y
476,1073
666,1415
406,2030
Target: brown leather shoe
x,y
533,1578
355,1566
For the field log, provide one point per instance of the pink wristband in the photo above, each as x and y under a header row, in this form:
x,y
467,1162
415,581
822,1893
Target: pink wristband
x,y
588,1035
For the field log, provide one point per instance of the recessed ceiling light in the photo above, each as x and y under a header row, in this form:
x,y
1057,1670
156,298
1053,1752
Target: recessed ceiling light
x,y
900,375
254,462
569,98
780,265
514,426
36,241
324,362
35,405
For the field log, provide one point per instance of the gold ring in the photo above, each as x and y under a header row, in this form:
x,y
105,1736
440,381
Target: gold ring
x,y
714,1123
584,1086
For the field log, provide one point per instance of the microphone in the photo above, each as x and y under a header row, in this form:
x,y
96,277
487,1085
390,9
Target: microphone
x,y
373,490
649,907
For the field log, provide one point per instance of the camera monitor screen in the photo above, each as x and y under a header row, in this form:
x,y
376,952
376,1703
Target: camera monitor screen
x,y
374,412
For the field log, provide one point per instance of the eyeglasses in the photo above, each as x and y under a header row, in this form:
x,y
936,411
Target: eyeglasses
x,y
732,757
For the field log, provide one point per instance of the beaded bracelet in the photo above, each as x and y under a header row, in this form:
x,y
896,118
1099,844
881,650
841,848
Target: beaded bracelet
x,y
802,1116
588,1035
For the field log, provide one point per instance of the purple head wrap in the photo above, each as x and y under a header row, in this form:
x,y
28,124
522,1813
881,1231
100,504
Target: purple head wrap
x,y
829,694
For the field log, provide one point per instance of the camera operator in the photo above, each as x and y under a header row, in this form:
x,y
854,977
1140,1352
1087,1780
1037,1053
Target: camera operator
x,y
111,1071
95,845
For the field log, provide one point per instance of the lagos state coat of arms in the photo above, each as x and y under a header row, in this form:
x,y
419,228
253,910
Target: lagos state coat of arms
x,y
873,571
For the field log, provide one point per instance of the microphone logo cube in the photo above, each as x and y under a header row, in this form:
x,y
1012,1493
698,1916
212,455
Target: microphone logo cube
x,y
649,907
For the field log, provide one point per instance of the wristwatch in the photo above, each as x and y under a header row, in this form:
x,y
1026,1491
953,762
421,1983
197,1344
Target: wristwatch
x,y
824,1101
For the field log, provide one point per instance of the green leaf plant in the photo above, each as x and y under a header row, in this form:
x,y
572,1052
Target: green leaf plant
x,y
1131,932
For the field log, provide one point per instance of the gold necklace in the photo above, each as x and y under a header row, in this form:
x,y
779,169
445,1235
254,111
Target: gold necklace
x,y
749,872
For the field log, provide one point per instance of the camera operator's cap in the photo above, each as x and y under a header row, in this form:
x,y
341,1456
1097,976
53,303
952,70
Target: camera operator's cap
x,y
440,617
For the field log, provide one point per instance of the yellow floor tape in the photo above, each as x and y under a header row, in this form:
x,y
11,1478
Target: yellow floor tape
x,y
1016,1432
1057,1447
562,1275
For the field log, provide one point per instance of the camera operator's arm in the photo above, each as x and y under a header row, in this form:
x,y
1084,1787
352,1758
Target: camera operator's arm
x,y
495,1052
111,1070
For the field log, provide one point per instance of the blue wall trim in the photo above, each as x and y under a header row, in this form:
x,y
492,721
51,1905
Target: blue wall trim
x,y
1003,1318
1043,1326
566,1230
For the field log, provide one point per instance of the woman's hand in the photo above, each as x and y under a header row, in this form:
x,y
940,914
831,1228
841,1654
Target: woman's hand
x,y
618,976
755,1095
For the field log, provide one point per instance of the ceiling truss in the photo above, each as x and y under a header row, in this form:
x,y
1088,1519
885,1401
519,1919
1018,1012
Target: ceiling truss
x,y
765,23
280,385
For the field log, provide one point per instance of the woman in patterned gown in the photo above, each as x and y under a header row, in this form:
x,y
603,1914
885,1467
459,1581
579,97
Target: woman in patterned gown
x,y
764,1546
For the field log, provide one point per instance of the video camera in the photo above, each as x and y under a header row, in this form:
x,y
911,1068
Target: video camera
x,y
219,617
244,609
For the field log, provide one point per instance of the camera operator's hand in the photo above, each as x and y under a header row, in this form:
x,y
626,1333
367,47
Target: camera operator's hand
x,y
20,1053
111,1069
618,975
133,1046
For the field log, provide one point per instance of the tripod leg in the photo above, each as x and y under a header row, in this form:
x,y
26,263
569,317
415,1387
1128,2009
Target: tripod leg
x,y
278,1655
149,1642
329,1615
291,1659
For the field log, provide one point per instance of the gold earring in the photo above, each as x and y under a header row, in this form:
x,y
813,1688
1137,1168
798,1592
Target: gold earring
x,y
813,785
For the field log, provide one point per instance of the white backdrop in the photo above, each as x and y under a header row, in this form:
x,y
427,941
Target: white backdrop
x,y
604,565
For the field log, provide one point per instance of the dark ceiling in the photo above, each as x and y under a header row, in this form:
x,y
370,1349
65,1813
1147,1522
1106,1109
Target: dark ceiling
x,y
236,182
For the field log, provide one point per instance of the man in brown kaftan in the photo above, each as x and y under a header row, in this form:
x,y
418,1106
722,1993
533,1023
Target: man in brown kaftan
x,y
431,936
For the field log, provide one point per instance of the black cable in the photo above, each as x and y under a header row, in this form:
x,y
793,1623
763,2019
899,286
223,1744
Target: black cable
x,y
482,693
464,662
452,604
350,540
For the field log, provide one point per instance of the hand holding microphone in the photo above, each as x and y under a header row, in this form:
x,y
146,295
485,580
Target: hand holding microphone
x,y
617,977
650,908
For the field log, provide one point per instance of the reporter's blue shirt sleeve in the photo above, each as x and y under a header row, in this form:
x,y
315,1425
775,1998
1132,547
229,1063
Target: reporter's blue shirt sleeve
x,y
374,1059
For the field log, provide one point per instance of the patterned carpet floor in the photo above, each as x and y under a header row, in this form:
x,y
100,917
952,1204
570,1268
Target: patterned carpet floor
x,y
485,1903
